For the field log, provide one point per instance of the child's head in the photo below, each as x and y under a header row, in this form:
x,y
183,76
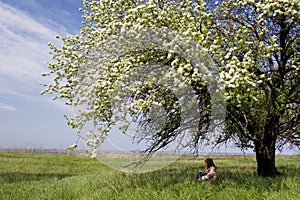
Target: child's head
x,y
209,162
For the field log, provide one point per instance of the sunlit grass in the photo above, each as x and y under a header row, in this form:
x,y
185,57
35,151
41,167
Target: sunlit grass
x,y
56,176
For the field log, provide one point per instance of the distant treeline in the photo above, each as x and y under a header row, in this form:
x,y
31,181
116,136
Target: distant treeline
x,y
58,151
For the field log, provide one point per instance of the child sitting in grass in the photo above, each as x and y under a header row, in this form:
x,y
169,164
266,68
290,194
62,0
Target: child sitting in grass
x,y
209,171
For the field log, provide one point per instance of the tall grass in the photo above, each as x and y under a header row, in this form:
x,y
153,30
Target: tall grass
x,y
56,176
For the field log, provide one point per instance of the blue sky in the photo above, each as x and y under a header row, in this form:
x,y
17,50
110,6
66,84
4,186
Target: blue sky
x,y
28,119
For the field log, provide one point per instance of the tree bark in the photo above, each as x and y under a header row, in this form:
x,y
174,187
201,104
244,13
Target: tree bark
x,y
265,150
265,158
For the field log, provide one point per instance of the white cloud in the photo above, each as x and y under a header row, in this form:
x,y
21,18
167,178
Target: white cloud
x,y
4,106
24,53
26,27
38,100
23,47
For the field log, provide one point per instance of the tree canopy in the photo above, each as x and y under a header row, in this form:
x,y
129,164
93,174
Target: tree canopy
x,y
245,52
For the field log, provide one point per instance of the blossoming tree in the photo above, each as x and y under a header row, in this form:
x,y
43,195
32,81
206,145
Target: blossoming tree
x,y
253,44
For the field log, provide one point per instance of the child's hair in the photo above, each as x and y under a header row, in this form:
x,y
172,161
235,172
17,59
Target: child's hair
x,y
209,163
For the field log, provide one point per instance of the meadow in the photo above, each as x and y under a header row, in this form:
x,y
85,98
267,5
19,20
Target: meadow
x,y
26,175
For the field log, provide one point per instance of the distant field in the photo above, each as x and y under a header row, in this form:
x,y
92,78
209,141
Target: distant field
x,y
59,176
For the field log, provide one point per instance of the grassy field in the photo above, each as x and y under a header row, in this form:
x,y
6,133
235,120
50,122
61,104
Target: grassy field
x,y
59,176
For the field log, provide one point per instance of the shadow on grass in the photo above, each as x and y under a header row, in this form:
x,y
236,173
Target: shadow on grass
x,y
229,177
247,179
164,177
13,177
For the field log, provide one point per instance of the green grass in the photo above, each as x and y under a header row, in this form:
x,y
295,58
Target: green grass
x,y
56,176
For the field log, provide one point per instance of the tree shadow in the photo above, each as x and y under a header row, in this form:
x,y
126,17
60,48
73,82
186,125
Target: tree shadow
x,y
164,177
13,177
248,179
229,176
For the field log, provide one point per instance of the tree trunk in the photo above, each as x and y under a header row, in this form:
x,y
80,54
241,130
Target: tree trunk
x,y
265,158
265,149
